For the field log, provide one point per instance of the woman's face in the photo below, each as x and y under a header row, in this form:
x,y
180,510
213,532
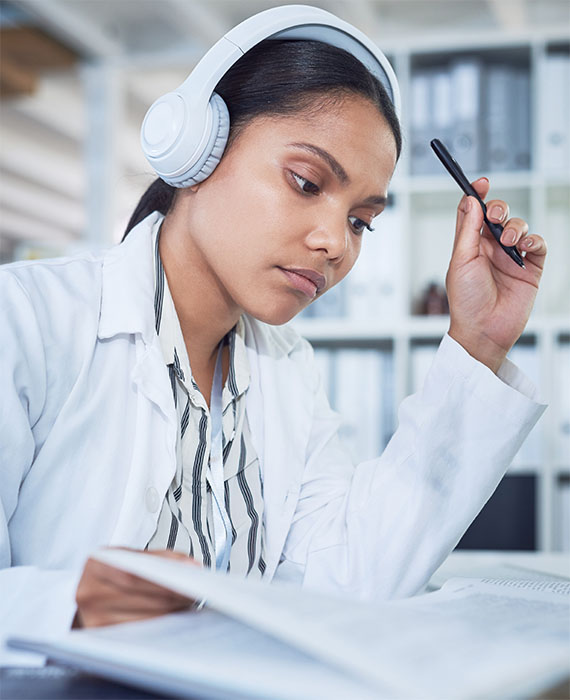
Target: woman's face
x,y
281,219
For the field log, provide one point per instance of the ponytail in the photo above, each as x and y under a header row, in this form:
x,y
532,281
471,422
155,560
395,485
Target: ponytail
x,y
158,197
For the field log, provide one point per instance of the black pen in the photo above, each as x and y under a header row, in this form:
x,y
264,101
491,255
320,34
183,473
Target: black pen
x,y
454,169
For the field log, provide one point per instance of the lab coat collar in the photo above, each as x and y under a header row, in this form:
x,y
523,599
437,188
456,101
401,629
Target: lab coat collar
x,y
127,299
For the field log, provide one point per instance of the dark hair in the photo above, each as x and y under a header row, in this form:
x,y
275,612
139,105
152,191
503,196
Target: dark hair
x,y
283,77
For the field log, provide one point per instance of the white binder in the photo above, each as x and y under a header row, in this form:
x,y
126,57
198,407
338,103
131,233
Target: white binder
x,y
331,304
561,406
466,79
442,111
373,288
421,359
556,105
527,358
421,156
522,119
358,398
498,130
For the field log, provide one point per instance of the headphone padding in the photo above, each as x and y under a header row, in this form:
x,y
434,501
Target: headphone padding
x,y
214,150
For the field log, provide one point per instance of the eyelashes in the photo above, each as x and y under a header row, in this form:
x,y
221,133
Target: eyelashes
x,y
308,188
359,225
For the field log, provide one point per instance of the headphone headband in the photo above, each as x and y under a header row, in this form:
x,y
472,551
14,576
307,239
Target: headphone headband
x,y
184,132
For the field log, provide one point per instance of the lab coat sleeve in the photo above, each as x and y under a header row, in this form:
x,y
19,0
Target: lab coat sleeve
x,y
380,530
29,594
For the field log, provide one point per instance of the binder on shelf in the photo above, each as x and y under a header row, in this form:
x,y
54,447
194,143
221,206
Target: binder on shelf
x,y
562,520
561,405
373,288
442,112
508,519
556,103
506,133
554,297
330,305
387,393
521,119
359,386
422,160
527,359
498,132
421,358
466,79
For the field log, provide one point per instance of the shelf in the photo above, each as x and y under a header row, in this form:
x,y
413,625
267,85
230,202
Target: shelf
x,y
410,327
499,180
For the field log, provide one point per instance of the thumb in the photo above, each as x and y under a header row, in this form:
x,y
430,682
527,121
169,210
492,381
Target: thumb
x,y
468,229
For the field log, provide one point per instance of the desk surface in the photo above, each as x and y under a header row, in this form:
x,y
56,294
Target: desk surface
x,y
59,683
491,564
54,682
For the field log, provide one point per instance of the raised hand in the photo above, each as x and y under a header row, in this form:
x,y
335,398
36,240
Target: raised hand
x,y
490,296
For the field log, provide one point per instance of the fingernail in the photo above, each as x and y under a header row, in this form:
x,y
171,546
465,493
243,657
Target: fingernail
x,y
497,213
528,242
509,237
466,206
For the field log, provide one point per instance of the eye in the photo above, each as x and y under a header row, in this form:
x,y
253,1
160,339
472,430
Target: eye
x,y
358,225
306,186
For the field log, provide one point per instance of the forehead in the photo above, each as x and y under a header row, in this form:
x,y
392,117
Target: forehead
x,y
352,129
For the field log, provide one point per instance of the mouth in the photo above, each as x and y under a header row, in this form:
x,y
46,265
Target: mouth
x,y
310,282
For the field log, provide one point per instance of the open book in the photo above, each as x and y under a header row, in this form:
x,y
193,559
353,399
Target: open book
x,y
474,638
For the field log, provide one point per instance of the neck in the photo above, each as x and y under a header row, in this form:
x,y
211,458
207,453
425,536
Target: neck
x,y
205,310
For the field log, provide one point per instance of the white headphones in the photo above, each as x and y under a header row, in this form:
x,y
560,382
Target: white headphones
x,y
184,132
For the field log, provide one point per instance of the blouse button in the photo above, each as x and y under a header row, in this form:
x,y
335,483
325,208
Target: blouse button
x,y
151,499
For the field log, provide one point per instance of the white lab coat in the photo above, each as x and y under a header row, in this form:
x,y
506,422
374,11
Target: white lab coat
x,y
88,432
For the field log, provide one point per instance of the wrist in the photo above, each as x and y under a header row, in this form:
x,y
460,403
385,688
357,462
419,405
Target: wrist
x,y
480,347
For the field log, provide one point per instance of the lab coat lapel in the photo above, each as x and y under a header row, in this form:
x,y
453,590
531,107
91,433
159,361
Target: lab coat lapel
x,y
127,310
279,409
127,306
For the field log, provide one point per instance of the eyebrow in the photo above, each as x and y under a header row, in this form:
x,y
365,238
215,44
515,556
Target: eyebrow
x,y
337,168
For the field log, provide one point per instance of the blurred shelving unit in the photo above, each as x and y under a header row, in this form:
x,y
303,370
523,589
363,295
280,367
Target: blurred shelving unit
x,y
531,509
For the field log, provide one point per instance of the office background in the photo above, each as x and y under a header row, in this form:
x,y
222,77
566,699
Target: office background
x,y
491,78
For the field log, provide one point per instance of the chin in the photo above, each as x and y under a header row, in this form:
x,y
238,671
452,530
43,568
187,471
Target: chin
x,y
275,316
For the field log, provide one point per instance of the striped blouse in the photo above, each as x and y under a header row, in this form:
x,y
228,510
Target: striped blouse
x,y
186,519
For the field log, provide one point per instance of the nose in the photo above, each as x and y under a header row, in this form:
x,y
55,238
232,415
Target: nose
x,y
329,236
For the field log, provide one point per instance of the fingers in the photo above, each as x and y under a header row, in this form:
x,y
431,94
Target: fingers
x,y
106,595
470,225
535,248
514,229
515,232
497,211
481,186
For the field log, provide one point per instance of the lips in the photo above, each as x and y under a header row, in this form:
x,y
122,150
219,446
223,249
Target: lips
x,y
310,282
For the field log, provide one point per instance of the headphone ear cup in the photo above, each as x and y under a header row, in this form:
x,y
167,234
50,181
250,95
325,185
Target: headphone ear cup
x,y
212,154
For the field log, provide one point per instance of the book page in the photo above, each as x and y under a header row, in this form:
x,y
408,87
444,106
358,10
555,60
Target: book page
x,y
203,654
286,612
469,639
472,640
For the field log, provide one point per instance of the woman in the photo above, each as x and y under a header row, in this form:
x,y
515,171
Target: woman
x,y
116,429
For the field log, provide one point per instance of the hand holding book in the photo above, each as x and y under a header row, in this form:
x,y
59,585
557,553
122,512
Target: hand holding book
x,y
107,595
